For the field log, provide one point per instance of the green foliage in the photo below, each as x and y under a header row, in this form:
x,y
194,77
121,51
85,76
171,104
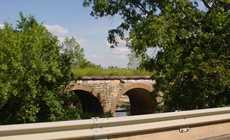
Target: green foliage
x,y
33,73
75,53
72,48
111,71
192,68
72,106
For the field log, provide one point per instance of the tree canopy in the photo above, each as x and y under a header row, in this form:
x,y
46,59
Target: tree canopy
x,y
33,73
71,47
192,67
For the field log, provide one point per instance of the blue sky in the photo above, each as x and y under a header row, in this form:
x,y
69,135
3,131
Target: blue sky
x,y
70,18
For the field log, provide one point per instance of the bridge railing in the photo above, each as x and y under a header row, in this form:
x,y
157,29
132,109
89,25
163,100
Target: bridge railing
x,y
104,127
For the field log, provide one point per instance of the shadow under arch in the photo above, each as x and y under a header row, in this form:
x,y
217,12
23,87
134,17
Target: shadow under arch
x,y
141,101
90,104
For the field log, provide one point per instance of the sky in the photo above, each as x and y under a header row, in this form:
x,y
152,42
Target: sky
x,y
70,18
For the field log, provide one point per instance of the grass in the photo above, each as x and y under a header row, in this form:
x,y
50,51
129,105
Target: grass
x,y
98,71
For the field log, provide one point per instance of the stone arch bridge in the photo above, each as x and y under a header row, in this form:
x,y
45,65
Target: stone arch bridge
x,y
105,94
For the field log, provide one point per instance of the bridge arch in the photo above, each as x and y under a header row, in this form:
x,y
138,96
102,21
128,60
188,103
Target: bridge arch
x,y
80,87
90,104
129,86
141,99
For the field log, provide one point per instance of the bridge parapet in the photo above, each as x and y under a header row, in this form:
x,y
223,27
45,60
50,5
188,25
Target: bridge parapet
x,y
115,78
205,124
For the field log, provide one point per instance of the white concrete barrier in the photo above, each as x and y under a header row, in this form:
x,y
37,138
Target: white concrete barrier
x,y
106,127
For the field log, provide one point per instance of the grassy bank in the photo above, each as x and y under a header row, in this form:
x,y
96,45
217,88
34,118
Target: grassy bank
x,y
98,71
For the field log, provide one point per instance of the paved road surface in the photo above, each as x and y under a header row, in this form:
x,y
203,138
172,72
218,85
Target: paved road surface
x,y
223,137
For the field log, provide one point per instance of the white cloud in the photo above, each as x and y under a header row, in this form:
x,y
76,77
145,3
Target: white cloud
x,y
57,30
62,32
94,56
99,55
120,51
1,26
107,60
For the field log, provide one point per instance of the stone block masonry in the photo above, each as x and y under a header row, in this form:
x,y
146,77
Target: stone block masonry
x,y
110,90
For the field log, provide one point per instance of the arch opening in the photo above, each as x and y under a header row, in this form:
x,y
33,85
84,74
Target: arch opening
x,y
90,104
140,101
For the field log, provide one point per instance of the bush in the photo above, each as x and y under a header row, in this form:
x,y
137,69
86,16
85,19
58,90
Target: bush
x,y
32,73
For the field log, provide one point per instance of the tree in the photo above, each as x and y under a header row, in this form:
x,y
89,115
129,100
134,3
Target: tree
x,y
134,60
73,49
33,73
192,67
